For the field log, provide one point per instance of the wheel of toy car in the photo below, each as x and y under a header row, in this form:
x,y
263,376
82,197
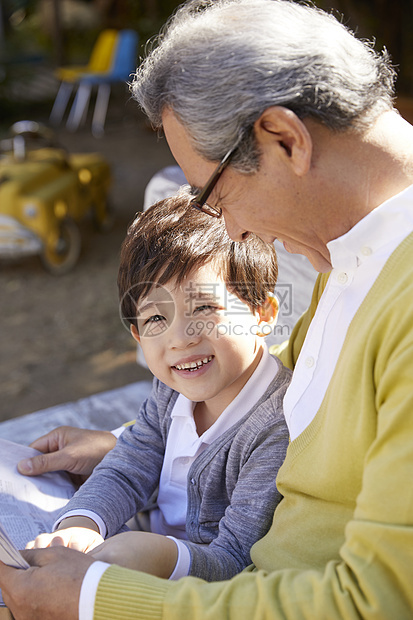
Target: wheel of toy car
x,y
62,256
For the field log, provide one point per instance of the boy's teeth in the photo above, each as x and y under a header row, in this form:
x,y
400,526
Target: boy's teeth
x,y
191,365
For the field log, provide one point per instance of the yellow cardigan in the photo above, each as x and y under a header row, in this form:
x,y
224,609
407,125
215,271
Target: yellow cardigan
x,y
341,543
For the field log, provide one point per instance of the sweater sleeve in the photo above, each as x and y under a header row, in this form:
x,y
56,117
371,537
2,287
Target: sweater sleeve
x,y
128,475
254,497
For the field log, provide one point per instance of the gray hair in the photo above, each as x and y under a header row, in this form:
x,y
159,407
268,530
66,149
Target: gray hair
x,y
218,64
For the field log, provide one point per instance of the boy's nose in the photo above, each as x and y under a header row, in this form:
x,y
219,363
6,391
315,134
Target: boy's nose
x,y
183,333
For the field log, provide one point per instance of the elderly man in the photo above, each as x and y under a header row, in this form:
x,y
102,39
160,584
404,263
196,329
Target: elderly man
x,y
299,115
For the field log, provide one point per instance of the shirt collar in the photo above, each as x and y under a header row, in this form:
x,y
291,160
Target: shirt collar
x,y
389,222
255,386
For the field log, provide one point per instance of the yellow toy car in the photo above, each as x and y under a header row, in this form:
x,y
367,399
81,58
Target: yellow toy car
x,y
45,193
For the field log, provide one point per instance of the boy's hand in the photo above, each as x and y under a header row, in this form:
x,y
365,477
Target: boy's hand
x,y
78,538
70,449
151,553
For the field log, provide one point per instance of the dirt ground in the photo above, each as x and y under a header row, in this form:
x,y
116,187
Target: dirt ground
x,y
61,337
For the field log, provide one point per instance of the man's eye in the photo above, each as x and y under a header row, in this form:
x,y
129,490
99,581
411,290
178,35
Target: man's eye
x,y
154,319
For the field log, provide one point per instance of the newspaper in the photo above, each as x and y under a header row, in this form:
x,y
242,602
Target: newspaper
x,y
28,506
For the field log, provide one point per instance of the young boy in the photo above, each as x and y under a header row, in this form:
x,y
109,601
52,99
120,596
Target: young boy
x,y
211,436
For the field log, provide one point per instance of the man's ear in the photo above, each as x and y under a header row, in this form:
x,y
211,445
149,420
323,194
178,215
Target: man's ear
x,y
135,333
281,128
268,312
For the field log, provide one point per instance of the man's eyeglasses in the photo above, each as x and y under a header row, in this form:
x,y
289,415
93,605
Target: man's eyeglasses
x,y
200,201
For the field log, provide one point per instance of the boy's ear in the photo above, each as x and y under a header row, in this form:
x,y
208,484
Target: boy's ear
x,y
268,312
135,333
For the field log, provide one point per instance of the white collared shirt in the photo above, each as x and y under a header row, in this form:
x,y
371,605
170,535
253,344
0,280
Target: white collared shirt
x,y
357,259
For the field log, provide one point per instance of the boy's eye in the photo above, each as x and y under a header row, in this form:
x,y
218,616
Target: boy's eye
x,y
207,308
154,319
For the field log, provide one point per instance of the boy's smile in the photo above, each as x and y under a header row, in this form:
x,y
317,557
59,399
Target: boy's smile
x,y
191,365
204,344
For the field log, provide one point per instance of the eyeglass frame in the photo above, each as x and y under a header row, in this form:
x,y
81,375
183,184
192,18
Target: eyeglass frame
x,y
199,202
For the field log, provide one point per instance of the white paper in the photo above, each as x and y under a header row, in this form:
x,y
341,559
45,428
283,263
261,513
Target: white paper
x,y
28,506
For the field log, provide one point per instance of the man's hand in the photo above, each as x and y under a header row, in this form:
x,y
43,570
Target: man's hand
x,y
50,589
70,449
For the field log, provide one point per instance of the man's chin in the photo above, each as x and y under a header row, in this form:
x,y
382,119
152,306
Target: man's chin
x,y
317,260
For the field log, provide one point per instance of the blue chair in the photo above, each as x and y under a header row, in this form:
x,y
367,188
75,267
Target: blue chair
x,y
124,64
100,61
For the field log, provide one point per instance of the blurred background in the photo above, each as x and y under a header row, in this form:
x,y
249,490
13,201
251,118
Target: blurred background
x,y
61,337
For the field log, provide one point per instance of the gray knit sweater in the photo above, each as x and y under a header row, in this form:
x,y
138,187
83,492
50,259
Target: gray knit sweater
x,y
231,485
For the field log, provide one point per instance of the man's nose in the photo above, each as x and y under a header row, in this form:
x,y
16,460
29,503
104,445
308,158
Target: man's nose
x,y
235,232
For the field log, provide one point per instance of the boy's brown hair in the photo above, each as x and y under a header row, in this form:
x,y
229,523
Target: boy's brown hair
x,y
171,239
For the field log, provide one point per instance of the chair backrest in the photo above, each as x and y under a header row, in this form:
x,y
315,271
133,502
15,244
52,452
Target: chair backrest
x,y
125,58
103,53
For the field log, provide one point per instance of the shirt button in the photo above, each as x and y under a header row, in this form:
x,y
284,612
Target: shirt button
x,y
342,277
309,362
366,251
